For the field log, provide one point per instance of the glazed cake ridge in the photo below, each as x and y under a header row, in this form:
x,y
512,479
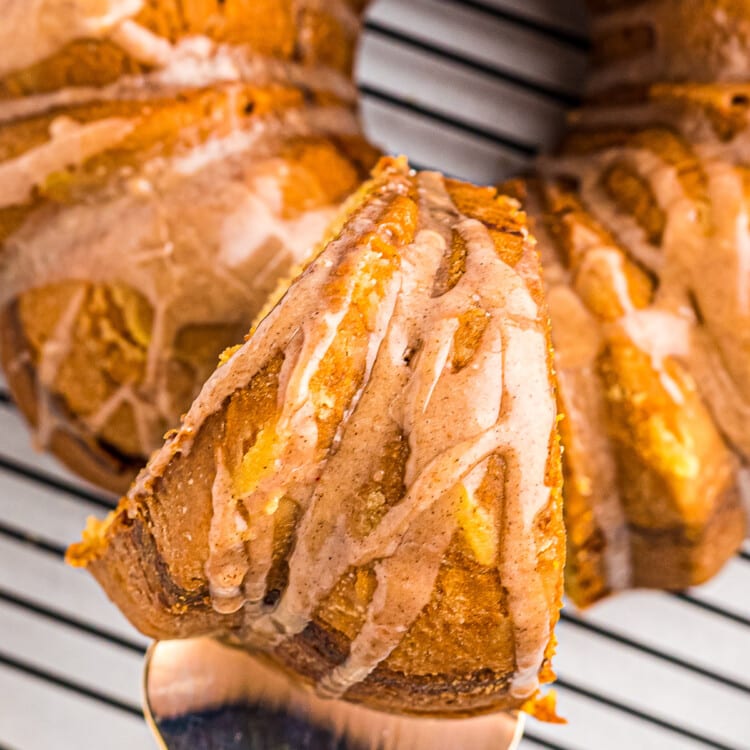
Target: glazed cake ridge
x,y
151,108
644,232
301,509
135,36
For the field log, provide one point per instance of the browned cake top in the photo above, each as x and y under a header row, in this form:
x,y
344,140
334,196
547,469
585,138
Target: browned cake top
x,y
49,45
643,224
378,461
224,151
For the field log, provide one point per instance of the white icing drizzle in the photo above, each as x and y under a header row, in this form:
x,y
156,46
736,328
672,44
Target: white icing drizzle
x,y
451,431
297,458
625,228
728,405
51,356
699,317
743,261
36,29
405,582
278,334
720,278
578,338
70,144
226,566
322,533
709,261
194,62
664,329
661,335
235,237
524,443
658,332
434,479
587,444
514,417
142,44
146,417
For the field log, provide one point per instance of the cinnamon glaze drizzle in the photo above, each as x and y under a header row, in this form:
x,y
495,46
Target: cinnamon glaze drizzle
x,y
239,235
644,230
499,403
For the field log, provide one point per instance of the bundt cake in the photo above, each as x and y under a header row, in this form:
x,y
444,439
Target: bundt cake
x,y
644,231
368,490
162,165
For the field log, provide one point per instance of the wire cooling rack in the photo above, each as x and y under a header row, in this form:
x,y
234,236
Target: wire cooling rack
x,y
475,88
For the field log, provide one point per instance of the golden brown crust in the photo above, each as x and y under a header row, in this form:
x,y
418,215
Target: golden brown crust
x,y
254,127
165,557
268,28
673,474
84,456
642,224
